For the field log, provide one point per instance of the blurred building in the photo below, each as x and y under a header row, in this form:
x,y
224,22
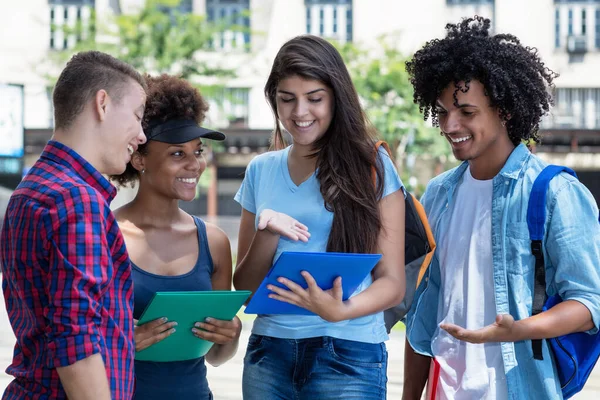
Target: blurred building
x,y
566,33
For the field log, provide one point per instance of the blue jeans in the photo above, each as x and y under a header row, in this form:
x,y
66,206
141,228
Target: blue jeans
x,y
315,368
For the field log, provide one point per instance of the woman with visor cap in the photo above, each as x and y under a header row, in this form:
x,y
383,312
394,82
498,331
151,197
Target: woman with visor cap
x,y
171,250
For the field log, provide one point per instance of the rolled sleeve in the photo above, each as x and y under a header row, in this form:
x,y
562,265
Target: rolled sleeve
x,y
573,245
79,269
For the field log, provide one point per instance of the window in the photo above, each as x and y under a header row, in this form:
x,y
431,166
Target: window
x,y
453,2
577,26
349,24
335,28
234,104
330,19
570,21
597,41
70,22
231,13
557,28
321,22
576,108
183,7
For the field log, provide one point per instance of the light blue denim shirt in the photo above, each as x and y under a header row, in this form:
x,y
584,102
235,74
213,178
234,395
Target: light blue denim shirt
x,y
571,249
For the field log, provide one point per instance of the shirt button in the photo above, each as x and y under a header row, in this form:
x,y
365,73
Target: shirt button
x,y
506,182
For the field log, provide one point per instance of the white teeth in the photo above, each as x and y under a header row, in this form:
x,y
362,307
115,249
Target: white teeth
x,y
462,139
187,180
303,124
130,149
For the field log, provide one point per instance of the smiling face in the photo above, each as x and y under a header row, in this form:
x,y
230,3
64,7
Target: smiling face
x,y
305,108
172,170
473,128
122,129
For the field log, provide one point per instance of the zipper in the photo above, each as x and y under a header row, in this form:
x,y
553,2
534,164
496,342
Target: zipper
x,y
557,340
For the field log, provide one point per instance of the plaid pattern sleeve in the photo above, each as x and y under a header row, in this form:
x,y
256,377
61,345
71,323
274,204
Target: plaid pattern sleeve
x,y
66,278
81,265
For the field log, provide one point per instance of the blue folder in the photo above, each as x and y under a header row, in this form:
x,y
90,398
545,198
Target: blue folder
x,y
324,267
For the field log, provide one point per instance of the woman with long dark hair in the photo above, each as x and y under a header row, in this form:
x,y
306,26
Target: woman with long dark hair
x,y
317,195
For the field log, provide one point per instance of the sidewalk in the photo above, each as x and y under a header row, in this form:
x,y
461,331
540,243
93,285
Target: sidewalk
x,y
225,381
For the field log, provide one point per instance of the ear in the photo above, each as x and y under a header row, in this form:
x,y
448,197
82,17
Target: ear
x,y
101,101
505,118
138,161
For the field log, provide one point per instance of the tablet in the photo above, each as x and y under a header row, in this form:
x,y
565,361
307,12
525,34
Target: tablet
x,y
324,267
187,308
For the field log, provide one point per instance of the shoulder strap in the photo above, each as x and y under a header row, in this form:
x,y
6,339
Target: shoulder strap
x,y
536,218
377,146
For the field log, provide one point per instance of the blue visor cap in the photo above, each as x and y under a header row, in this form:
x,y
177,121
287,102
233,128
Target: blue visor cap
x,y
177,131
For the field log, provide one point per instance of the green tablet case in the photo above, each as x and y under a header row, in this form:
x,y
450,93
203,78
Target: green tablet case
x,y
187,308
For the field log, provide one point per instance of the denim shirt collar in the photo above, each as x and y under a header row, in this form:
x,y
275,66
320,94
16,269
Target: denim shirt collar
x,y
515,163
511,169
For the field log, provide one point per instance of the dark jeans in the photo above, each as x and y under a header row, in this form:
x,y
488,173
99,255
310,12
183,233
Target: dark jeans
x,y
316,368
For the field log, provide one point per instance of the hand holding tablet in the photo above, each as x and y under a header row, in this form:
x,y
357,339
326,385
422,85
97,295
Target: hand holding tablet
x,y
324,269
187,308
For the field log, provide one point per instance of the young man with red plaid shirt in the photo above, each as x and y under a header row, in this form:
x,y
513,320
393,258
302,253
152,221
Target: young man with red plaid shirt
x,y
65,270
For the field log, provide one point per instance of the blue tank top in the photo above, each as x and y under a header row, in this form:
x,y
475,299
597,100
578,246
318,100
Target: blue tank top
x,y
179,379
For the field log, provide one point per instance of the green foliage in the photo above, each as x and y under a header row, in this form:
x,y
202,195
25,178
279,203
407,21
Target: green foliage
x,y
157,38
383,85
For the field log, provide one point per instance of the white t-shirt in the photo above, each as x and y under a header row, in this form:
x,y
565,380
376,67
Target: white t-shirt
x,y
468,371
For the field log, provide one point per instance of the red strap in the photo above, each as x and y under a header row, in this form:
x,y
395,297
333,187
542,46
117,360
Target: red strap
x,y
433,380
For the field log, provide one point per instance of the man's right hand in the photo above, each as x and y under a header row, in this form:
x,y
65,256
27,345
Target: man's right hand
x,y
152,332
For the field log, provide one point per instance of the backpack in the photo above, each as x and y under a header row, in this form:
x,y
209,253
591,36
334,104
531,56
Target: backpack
x,y
418,250
575,354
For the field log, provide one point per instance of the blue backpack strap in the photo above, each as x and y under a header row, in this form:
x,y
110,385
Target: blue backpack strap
x,y
536,218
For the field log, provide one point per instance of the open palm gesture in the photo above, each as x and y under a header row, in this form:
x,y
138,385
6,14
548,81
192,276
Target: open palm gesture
x,y
283,225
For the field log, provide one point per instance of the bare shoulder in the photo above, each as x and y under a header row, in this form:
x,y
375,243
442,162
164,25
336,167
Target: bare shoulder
x,y
119,214
126,225
218,242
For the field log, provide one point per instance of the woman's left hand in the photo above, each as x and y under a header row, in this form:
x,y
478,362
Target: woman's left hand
x,y
218,331
327,304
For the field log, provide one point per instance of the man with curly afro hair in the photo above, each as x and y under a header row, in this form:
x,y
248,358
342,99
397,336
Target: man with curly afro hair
x,y
471,332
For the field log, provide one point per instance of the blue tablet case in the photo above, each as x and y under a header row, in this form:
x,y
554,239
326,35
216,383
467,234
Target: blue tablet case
x,y
324,267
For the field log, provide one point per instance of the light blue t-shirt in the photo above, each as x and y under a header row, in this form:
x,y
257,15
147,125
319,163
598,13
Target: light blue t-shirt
x,y
268,185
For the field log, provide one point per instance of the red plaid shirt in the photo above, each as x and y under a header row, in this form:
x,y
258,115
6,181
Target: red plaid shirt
x,y
66,277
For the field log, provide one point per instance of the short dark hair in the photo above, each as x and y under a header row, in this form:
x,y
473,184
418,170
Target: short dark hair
x,y
85,74
168,97
514,77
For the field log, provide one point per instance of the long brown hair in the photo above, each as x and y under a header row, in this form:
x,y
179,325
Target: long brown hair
x,y
345,154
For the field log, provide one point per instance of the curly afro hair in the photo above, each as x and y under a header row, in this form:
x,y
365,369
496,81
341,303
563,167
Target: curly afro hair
x,y
168,97
515,79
